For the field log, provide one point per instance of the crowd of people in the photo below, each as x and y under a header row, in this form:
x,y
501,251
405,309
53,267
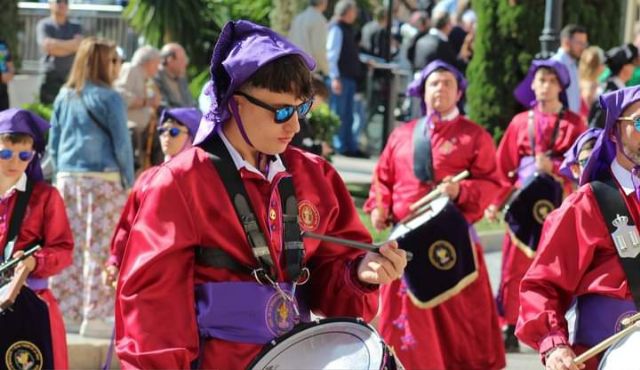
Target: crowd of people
x,y
177,225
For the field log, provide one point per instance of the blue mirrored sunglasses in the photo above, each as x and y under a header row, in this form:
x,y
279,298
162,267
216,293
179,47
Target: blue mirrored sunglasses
x,y
282,114
173,131
24,156
635,120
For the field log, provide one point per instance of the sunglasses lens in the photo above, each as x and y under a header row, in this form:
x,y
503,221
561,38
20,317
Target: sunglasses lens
x,y
283,114
304,108
6,154
174,131
25,156
636,124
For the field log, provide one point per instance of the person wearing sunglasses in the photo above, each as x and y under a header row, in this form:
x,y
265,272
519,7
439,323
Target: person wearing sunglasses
x,y
44,223
177,127
576,158
588,251
197,238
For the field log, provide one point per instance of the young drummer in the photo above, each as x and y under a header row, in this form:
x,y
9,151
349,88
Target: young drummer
x,y
177,127
587,253
215,266
575,159
22,143
552,129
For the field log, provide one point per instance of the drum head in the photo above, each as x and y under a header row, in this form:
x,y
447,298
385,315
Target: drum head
x,y
623,355
325,344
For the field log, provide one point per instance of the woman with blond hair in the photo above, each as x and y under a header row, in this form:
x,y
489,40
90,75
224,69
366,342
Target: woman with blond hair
x,y
92,158
590,68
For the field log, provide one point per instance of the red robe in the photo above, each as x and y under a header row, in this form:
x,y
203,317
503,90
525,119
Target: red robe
x,y
45,219
462,332
186,206
121,233
575,256
514,146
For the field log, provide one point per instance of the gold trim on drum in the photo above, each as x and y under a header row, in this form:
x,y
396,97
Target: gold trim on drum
x,y
442,255
541,210
463,283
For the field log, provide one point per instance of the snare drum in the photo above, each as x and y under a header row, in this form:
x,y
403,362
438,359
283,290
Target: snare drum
x,y
623,355
336,343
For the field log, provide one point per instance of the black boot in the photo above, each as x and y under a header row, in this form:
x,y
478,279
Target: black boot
x,y
511,344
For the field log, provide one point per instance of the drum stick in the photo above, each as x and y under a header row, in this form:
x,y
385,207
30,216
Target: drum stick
x,y
513,173
595,350
14,261
436,192
630,320
348,243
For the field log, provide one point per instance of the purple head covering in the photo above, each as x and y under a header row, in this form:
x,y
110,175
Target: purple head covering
x,y
571,155
242,48
20,121
189,117
604,151
525,95
416,88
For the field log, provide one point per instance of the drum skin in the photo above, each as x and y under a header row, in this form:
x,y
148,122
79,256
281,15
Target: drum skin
x,y
623,355
336,343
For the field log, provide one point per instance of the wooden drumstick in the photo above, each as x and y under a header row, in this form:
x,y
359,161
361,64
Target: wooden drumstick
x,y
348,243
595,350
630,320
14,261
436,192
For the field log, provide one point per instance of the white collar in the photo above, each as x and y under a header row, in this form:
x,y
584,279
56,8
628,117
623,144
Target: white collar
x,y
618,82
20,185
451,115
276,166
623,176
436,32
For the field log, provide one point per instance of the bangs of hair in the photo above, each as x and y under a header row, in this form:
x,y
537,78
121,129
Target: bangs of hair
x,y
16,138
288,74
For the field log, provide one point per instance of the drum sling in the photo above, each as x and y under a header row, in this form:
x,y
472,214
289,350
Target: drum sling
x,y
26,331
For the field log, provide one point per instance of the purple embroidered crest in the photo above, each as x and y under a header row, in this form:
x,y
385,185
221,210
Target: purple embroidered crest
x,y
279,314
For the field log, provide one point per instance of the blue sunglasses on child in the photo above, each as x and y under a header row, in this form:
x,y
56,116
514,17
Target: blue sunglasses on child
x,y
25,156
173,131
283,114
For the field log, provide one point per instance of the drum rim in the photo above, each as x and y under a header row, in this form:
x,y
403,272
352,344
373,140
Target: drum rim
x,y
304,326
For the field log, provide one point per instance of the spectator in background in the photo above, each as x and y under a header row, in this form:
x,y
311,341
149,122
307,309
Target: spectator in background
x,y
309,32
417,27
344,71
573,41
135,85
59,40
378,22
7,71
171,79
92,159
621,61
590,67
435,44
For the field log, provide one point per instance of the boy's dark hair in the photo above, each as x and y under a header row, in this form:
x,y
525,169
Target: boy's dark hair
x,y
16,138
571,29
548,70
287,74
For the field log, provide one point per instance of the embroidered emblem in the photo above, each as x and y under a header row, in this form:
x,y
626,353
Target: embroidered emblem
x,y
279,314
447,147
272,214
625,238
308,216
621,318
541,210
23,355
442,255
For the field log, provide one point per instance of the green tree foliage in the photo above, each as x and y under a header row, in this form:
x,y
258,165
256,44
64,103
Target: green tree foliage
x,y
9,29
507,39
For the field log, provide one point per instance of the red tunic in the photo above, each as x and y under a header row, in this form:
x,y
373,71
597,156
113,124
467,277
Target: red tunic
x,y
186,206
45,219
121,233
463,332
514,146
575,256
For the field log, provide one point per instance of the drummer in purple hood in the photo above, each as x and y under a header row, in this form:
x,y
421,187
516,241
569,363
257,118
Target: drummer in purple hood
x,y
214,266
589,250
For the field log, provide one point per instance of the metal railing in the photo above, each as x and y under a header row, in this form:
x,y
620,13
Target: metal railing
x,y
96,20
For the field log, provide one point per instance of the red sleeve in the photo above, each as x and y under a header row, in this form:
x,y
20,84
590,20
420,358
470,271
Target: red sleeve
x,y
383,177
57,250
476,192
508,160
565,252
155,316
121,233
333,268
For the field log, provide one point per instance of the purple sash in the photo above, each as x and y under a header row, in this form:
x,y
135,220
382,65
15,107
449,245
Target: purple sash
x,y
245,312
38,284
599,317
526,168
